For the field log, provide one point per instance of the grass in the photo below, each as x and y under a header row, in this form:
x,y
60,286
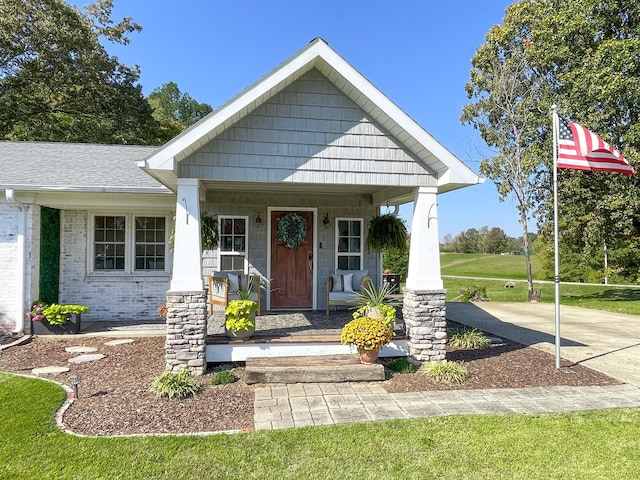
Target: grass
x,y
594,445
489,266
611,299
468,338
447,371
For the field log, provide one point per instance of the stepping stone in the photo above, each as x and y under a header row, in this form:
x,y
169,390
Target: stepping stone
x,y
49,370
81,349
121,341
91,357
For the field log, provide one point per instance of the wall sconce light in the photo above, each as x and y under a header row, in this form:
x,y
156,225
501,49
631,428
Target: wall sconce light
x,y
258,220
325,220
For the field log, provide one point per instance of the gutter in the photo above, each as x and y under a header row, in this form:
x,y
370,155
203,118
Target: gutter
x,y
20,258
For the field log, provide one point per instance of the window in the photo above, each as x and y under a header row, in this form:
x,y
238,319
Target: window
x,y
349,244
129,243
233,243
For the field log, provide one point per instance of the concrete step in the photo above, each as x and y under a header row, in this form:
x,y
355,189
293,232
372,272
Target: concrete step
x,y
312,369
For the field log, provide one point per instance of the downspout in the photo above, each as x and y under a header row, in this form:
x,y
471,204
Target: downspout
x,y
20,257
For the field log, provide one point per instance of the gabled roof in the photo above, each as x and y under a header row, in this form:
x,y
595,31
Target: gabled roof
x,y
451,173
80,167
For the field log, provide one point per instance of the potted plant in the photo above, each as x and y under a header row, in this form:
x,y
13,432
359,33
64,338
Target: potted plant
x,y
240,318
374,302
367,334
55,318
387,231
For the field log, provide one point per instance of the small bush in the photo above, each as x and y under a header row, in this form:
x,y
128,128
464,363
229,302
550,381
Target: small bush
x,y
223,377
401,365
447,371
465,338
475,293
175,385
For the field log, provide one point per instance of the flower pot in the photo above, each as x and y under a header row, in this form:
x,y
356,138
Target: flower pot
x,y
72,326
368,356
241,334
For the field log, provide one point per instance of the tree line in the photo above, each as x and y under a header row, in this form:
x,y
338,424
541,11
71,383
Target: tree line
x,y
485,240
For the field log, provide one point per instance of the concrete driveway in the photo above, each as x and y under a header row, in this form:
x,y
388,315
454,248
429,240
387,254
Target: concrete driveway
x,y
603,341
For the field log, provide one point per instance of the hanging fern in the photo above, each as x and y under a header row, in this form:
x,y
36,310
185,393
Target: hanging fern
x,y
209,231
387,231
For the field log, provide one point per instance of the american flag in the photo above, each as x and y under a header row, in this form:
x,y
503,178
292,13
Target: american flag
x,y
582,149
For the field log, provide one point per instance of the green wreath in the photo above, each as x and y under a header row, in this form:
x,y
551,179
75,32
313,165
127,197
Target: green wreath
x,y
292,229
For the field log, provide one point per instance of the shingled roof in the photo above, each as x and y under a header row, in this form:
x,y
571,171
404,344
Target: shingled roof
x,y
38,166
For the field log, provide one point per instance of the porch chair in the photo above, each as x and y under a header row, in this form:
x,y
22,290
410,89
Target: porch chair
x,y
223,287
343,286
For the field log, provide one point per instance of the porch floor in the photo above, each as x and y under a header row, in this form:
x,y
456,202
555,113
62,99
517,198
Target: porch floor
x,y
291,326
289,334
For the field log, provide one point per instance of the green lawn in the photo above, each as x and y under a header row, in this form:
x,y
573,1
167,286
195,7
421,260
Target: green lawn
x,y
594,445
484,265
599,297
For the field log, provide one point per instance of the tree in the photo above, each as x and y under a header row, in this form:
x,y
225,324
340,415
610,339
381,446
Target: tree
x,y
467,241
582,55
175,110
57,81
506,92
496,241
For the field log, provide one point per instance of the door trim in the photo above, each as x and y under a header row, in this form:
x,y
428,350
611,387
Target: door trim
x,y
314,275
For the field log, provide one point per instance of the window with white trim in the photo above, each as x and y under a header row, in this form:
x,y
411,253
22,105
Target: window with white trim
x,y
349,243
232,246
129,243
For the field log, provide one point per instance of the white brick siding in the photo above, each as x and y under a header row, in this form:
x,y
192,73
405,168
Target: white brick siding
x,y
112,297
9,283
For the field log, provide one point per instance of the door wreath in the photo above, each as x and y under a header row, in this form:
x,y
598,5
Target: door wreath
x,y
292,229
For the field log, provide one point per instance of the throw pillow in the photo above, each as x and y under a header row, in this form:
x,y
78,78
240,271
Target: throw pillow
x,y
342,283
358,275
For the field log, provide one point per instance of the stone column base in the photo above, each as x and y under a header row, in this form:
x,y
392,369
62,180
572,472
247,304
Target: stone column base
x,y
185,346
424,314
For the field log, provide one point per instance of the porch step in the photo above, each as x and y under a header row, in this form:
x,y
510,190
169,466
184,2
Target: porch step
x,y
312,369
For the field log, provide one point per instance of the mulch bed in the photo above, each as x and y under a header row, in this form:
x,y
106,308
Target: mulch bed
x,y
114,396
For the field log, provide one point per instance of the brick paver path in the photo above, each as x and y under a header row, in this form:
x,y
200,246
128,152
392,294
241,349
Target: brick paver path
x,y
298,405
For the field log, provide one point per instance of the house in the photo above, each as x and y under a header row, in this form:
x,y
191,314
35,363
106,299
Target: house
x,y
313,142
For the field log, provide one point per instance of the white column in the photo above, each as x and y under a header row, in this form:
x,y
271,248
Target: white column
x,y
424,250
187,250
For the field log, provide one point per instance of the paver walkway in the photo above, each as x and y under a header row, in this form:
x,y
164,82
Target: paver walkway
x,y
299,405
604,341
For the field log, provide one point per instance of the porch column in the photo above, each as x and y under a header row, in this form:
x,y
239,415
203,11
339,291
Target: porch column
x,y
187,248
424,250
424,308
185,346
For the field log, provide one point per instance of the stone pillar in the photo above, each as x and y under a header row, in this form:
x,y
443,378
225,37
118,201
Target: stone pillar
x,y
424,314
185,346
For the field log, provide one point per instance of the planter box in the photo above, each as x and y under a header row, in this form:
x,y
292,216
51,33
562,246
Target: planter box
x,y
72,326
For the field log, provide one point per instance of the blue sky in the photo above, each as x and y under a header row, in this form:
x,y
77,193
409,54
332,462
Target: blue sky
x,y
417,52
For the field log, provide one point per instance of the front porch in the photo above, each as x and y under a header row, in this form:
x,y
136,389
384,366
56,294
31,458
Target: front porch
x,y
291,334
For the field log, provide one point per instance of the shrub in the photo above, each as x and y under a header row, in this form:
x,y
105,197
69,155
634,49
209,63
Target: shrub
x,y
223,377
447,371
465,338
238,315
57,314
475,293
401,365
175,385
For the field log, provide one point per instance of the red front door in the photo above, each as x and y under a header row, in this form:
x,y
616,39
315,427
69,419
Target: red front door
x,y
291,259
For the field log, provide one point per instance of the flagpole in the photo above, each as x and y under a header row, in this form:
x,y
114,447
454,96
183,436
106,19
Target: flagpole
x,y
556,251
